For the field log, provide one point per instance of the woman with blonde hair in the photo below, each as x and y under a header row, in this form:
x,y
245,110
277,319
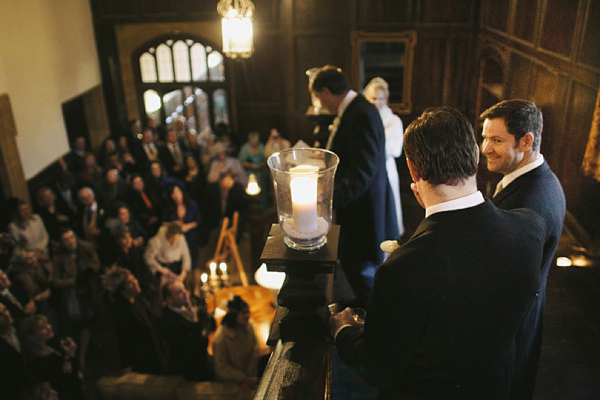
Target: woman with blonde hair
x,y
377,92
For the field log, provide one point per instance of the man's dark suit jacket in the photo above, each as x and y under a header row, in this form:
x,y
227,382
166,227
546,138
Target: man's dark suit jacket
x,y
187,346
446,306
362,196
541,191
13,375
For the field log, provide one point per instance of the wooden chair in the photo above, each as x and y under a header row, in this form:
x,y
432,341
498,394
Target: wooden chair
x,y
227,246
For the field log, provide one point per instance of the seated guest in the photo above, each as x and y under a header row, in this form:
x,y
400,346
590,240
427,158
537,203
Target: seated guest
x,y
222,162
91,172
222,199
167,254
235,346
31,282
90,221
171,155
56,214
180,210
52,360
17,309
275,143
111,189
185,328
13,374
140,346
147,152
65,189
108,148
146,206
74,277
76,157
28,230
155,179
125,255
446,305
195,178
123,220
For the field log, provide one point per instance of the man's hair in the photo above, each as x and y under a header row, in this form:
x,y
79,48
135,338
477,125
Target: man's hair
x,y
332,78
520,117
165,290
441,145
172,230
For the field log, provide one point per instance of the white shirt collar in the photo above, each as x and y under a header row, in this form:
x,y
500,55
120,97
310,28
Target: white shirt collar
x,y
468,201
508,178
347,100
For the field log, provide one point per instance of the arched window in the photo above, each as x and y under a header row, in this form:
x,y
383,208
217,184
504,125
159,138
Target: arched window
x,y
181,75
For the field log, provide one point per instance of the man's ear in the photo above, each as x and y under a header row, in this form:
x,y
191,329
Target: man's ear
x,y
526,142
413,170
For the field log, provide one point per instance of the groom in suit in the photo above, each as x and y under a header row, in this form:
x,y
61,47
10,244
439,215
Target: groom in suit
x,y
512,133
446,305
362,198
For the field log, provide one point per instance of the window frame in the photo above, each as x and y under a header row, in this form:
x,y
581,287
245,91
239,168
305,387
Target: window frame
x,y
162,88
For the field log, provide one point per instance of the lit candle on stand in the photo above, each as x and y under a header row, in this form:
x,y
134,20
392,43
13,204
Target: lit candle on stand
x,y
223,268
213,271
204,279
304,198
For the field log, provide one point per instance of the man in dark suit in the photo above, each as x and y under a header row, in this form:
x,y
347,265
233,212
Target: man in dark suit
x,y
446,305
362,196
172,155
13,375
91,217
185,329
512,133
10,301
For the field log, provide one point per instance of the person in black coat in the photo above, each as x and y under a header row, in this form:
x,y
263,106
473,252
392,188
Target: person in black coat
x,y
446,305
13,374
362,198
140,345
185,328
54,211
222,199
512,132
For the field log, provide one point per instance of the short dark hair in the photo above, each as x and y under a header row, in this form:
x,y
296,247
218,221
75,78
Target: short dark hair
x,y
234,307
172,230
520,117
332,78
441,145
165,290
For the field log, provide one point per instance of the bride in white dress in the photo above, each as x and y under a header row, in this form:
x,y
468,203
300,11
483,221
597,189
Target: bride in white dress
x,y
377,92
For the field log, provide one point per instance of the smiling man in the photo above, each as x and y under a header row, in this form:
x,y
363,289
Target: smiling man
x,y
512,134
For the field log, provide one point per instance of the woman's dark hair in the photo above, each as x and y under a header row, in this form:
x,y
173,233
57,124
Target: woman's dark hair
x,y
169,202
13,205
234,307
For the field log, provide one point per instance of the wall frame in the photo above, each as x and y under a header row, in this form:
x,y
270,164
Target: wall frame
x,y
390,56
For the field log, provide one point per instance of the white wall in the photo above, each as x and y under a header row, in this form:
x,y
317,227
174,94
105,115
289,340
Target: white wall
x,y
47,56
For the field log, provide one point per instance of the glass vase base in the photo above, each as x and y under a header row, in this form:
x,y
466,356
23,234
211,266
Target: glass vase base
x,y
305,244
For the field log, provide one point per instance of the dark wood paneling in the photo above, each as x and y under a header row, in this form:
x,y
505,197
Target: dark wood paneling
x,y
266,13
519,77
381,12
525,18
430,56
316,13
559,26
317,51
161,7
579,111
496,14
434,11
259,78
590,48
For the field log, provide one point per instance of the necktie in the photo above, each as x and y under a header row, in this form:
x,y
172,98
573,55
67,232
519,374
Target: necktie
x,y
499,188
146,200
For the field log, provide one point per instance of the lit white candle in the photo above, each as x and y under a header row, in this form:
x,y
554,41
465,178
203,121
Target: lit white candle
x,y
204,279
304,204
213,271
223,268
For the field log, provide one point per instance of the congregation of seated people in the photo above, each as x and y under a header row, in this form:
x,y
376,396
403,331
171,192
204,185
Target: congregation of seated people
x,y
121,235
